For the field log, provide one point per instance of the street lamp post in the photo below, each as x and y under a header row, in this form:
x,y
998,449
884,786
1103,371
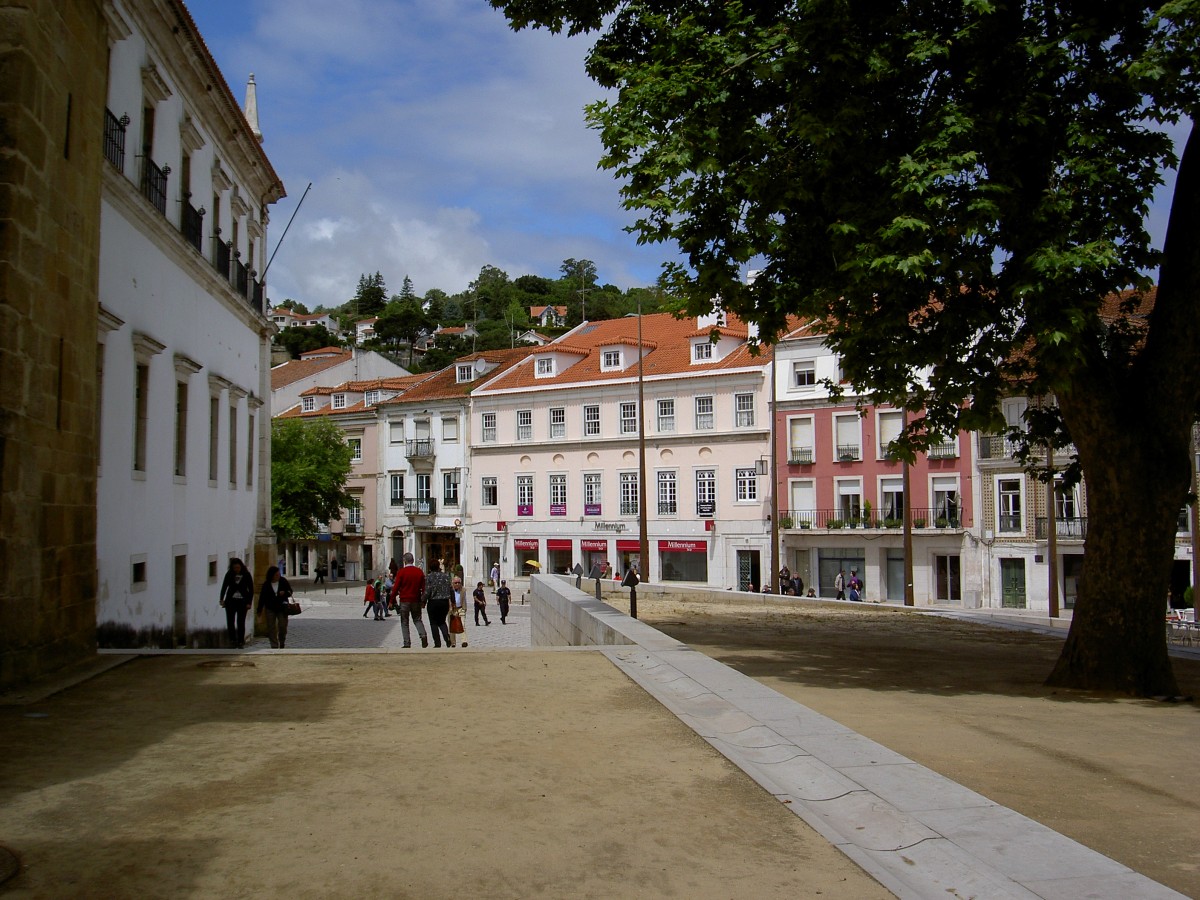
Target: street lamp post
x,y
644,539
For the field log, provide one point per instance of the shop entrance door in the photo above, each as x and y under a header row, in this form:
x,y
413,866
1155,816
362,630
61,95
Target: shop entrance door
x,y
748,570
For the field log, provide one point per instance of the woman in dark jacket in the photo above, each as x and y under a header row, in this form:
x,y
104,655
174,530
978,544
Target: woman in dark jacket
x,y
438,594
273,600
237,593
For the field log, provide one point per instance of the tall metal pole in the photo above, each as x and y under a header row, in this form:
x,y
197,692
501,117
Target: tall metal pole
x,y
1195,511
1051,530
774,469
910,597
644,539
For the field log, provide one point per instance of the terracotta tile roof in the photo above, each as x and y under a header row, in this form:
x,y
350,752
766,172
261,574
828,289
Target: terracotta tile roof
x,y
443,384
296,369
668,342
399,383
536,311
325,351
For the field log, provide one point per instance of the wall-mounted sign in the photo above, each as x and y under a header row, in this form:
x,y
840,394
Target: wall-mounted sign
x,y
682,546
618,527
525,509
558,509
591,509
525,543
706,509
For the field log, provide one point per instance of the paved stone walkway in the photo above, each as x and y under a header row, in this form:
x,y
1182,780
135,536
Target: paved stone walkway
x,y
333,620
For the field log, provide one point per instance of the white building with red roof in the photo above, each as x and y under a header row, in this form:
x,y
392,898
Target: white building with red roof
x,y
554,459
326,366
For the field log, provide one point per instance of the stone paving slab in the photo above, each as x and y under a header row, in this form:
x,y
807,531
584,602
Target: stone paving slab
x,y
919,834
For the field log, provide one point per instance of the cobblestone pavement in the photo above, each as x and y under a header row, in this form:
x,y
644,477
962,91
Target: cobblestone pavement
x,y
333,620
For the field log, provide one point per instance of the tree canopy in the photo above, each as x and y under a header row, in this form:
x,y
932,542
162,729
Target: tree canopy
x,y
953,190
310,462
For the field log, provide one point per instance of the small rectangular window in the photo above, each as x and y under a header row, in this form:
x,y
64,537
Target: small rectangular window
x,y
804,374
592,492
355,445
545,365
629,418
702,351
371,398
525,425
251,444
706,492
464,372
591,421
524,495
629,493
339,401
450,487
450,430
666,416
397,490
141,416
490,494
743,405
233,445
667,505
611,359
558,492
558,422
747,484
489,427
181,415
396,432
309,404
704,413
214,422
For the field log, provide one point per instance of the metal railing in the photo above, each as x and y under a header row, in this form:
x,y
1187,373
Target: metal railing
x,y
256,295
996,446
241,278
222,257
1070,528
629,508
418,449
667,508
800,456
192,225
420,506
948,450
114,139
921,518
154,184
848,452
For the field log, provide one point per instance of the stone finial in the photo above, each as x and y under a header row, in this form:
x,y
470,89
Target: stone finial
x,y
250,109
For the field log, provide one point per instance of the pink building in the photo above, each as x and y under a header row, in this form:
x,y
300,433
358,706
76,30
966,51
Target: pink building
x,y
842,497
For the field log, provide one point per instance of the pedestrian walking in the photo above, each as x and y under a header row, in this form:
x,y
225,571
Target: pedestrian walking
x,y
273,601
458,610
856,586
408,590
480,604
320,579
503,595
839,584
494,577
237,593
438,593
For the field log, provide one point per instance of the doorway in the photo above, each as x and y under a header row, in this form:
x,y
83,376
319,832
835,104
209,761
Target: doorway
x,y
180,622
749,571
895,576
1012,583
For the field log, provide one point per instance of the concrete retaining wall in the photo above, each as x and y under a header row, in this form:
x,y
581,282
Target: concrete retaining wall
x,y
564,617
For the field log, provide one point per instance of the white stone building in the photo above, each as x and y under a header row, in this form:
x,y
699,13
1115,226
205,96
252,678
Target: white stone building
x,y
184,357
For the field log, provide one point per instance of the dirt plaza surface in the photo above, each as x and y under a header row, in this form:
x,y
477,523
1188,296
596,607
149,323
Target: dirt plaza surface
x,y
967,700
410,774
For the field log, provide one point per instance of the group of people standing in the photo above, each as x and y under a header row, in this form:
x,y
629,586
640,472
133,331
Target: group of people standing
x,y
237,597
406,590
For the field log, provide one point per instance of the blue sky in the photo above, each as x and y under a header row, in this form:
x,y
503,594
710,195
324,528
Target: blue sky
x,y
437,141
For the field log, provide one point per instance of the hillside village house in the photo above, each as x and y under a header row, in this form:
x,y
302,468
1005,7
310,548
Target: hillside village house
x,y
326,366
841,493
425,439
548,316
554,454
184,358
282,318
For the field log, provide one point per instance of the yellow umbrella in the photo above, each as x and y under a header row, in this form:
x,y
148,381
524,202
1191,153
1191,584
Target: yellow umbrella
x,y
534,563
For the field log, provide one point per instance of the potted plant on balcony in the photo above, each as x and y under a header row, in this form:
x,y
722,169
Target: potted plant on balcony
x,y
785,522
867,521
833,523
941,522
918,523
891,523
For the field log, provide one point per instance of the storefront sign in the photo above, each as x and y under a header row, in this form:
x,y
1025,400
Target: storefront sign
x,y
525,509
593,545
591,509
682,546
501,526
525,543
618,527
558,509
706,509
558,543
629,546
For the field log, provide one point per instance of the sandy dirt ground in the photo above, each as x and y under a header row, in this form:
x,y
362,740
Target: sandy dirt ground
x,y
967,700
501,774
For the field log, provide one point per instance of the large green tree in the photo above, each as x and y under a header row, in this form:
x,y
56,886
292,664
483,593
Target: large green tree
x,y
402,322
310,462
953,188
370,297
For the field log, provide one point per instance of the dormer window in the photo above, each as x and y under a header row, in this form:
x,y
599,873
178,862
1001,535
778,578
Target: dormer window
x,y
610,361
545,366
309,404
464,373
702,351
339,401
371,398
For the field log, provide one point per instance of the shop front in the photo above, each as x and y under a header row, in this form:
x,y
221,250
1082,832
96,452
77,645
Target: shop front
x,y
683,560
525,550
558,556
595,553
629,554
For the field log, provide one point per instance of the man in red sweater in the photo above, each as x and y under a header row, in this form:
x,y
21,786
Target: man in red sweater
x,y
408,589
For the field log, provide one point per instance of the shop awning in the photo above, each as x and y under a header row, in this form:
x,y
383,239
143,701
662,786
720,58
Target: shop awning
x,y
558,543
675,546
628,546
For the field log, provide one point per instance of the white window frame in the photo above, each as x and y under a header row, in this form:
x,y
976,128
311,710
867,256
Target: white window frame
x,y
702,351
856,454
339,401
746,485
629,418
487,427
1001,514
706,487
558,489
450,430
630,495
355,445
797,454
396,497
612,360
308,404
463,373
705,413
558,422
886,415
843,490
890,485
804,375
544,367
370,398
591,420
354,514
451,481
593,489
743,410
489,494
668,492
525,490
666,415
395,427
933,493
524,425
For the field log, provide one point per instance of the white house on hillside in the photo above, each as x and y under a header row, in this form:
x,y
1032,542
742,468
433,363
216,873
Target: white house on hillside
x,y
327,366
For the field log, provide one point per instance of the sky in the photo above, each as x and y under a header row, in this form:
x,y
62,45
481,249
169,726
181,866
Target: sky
x,y
436,140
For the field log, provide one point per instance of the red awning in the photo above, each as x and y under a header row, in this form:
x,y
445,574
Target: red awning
x,y
525,543
558,543
628,546
674,546
593,545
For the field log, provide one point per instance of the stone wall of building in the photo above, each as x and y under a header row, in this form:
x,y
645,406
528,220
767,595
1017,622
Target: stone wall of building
x,y
53,64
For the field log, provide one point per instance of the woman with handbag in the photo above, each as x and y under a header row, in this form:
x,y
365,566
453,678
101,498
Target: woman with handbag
x,y
275,602
438,594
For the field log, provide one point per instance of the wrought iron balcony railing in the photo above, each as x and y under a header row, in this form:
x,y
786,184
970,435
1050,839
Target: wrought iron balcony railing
x,y
948,450
223,257
192,226
420,506
114,139
848,452
422,448
154,183
800,456
1072,528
